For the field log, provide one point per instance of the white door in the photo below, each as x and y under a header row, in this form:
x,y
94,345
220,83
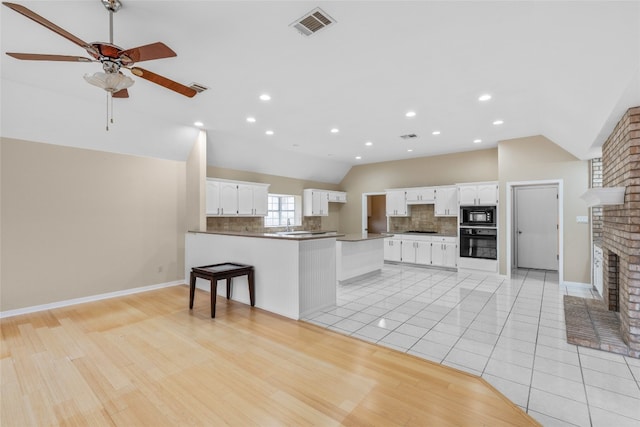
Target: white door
x,y
536,227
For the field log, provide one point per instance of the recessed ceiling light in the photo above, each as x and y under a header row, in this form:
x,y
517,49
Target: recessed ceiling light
x,y
199,124
265,97
477,141
484,97
368,143
335,130
410,150
498,122
410,114
435,132
269,132
358,157
251,119
296,145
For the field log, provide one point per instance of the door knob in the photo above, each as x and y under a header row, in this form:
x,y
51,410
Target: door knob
x,y
519,232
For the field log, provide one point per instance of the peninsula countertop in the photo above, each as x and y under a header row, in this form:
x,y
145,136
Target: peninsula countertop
x,y
359,237
295,235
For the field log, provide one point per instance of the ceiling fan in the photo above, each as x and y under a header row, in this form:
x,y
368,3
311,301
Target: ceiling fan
x,y
113,58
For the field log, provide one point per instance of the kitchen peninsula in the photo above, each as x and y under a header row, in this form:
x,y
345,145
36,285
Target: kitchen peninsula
x,y
295,274
359,254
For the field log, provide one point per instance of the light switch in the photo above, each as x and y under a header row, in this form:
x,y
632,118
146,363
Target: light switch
x,y
582,219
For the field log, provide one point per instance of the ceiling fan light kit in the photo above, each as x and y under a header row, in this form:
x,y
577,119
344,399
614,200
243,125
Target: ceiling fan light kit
x,y
112,57
111,82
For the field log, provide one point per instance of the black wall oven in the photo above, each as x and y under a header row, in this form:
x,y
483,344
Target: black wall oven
x,y
479,243
478,216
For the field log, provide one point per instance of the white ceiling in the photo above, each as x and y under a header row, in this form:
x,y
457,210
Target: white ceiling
x,y
566,70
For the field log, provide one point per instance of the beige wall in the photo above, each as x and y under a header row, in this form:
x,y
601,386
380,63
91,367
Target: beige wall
x,y
285,185
471,166
77,223
537,158
196,186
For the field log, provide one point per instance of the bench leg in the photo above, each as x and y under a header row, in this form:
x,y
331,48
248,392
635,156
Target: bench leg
x,y
192,290
252,292
214,291
228,287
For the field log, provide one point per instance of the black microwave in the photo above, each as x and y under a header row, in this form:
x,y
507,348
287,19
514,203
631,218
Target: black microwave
x,y
484,216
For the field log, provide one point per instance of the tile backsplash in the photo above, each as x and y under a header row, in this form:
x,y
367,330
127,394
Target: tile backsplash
x,y
423,219
256,224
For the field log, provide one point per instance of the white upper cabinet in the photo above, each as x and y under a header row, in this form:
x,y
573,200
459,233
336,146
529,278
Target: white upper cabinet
x,y
396,203
446,201
478,194
337,196
252,199
421,195
213,198
315,202
228,198
233,198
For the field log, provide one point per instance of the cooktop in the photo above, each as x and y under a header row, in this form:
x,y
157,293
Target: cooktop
x,y
421,232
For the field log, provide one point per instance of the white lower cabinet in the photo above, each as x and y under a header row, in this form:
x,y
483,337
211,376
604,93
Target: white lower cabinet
x,y
393,249
416,251
444,252
437,251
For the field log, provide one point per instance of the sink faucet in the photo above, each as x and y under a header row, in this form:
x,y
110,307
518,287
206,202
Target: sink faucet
x,y
288,224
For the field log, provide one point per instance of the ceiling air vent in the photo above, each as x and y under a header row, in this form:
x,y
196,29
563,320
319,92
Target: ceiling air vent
x,y
313,21
409,136
198,87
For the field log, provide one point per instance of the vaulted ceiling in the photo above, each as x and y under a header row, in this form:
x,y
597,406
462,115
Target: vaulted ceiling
x,y
566,70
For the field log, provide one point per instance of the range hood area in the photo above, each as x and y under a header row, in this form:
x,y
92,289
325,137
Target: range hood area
x,y
604,196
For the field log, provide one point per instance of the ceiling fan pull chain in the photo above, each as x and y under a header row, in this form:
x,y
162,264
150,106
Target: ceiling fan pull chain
x,y
107,111
111,98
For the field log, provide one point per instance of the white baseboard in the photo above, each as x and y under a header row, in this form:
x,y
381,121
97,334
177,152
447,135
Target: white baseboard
x,y
65,303
577,284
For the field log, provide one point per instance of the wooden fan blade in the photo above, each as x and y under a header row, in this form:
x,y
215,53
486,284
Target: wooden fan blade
x,y
147,52
47,57
121,94
163,81
46,23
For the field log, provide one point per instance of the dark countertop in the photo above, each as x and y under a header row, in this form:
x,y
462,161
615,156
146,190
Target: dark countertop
x,y
359,237
409,233
326,235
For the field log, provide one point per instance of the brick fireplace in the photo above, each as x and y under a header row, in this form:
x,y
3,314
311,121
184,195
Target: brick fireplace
x,y
621,227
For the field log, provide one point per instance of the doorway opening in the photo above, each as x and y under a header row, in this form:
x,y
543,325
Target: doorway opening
x,y
534,226
374,213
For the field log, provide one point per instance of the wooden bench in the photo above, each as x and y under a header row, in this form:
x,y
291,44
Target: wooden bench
x,y
216,272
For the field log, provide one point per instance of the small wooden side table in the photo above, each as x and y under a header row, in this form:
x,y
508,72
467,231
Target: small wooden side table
x,y
216,272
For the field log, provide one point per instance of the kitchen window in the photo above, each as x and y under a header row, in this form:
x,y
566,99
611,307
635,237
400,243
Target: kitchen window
x,y
283,210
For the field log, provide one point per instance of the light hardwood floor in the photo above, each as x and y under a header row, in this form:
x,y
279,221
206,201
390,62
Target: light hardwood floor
x,y
145,359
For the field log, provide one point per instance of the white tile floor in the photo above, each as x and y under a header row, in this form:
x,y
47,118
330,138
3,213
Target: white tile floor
x,y
509,331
